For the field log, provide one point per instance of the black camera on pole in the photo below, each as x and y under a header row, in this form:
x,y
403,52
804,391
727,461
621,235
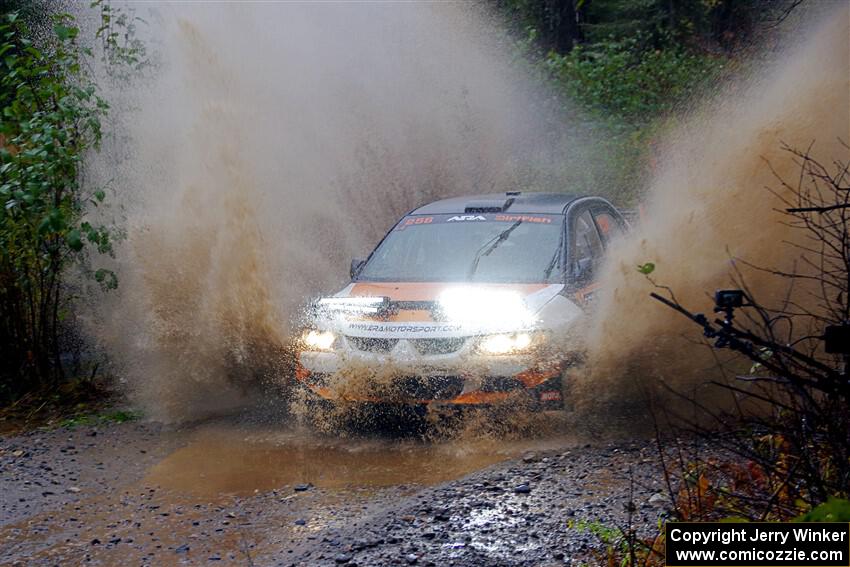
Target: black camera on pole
x,y
836,339
728,299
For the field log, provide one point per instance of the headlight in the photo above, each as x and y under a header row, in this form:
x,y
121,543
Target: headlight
x,y
514,343
318,340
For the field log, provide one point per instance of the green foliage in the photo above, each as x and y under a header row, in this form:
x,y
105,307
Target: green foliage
x,y
122,50
605,534
630,66
647,268
51,118
714,25
629,89
833,510
625,81
623,548
117,416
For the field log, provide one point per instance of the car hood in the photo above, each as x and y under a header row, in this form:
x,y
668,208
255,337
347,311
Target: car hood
x,y
535,295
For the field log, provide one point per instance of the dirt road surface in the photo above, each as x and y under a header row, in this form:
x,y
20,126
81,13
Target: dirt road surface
x,y
237,492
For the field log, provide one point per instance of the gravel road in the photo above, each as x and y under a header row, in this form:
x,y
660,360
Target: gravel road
x,y
229,493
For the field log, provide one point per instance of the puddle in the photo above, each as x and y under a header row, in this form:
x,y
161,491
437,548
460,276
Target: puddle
x,y
191,506
226,461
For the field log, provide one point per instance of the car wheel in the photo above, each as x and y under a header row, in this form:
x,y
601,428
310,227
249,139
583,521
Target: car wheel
x,y
567,382
570,376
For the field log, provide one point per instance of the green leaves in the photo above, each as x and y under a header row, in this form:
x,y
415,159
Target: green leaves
x,y
631,81
629,87
646,269
833,510
65,33
106,278
74,240
51,119
54,222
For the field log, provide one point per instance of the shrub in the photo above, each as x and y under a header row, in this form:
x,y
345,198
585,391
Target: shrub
x,y
52,115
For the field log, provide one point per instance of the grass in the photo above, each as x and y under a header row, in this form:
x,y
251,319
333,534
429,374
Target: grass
x,y
72,404
115,416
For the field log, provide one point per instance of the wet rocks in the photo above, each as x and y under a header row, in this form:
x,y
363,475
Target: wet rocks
x,y
512,514
659,500
442,516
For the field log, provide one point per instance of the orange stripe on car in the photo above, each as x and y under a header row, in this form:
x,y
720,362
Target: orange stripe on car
x,y
474,398
301,373
534,376
411,316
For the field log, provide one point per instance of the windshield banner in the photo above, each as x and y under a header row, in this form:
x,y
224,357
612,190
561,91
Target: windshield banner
x,y
418,220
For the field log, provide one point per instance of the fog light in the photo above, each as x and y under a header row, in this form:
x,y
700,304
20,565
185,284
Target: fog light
x,y
318,340
515,343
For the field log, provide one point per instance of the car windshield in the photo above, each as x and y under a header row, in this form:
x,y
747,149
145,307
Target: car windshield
x,y
498,248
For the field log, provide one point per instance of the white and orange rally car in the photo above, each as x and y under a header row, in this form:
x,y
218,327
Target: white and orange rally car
x,y
465,301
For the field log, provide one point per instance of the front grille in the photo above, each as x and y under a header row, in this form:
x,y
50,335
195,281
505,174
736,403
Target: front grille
x,y
422,346
369,344
428,387
501,384
319,379
437,346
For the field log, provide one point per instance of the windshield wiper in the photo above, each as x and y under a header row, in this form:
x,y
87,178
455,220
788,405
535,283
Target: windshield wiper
x,y
556,259
488,247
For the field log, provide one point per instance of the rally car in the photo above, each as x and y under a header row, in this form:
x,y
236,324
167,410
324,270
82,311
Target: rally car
x,y
467,300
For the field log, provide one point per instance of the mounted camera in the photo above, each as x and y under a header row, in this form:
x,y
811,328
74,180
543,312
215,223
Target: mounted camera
x,y
836,339
728,299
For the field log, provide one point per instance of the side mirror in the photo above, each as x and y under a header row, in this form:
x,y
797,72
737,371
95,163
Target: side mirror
x,y
356,265
583,269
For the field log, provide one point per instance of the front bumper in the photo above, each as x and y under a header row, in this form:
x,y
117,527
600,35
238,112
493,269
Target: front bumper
x,y
458,378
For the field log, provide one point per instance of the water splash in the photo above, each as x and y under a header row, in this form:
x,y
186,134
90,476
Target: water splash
x,y
273,145
709,203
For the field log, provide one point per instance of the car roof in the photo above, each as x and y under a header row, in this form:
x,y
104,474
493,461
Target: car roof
x,y
512,202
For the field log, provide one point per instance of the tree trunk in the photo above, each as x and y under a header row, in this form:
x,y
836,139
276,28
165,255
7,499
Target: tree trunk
x,y
565,25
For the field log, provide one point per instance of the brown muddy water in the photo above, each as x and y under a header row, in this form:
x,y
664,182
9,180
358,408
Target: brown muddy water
x,y
220,460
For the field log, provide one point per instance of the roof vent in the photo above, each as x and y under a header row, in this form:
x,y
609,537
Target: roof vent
x,y
479,210
478,207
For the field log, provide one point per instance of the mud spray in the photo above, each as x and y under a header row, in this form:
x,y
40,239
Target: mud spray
x,y
709,203
273,144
